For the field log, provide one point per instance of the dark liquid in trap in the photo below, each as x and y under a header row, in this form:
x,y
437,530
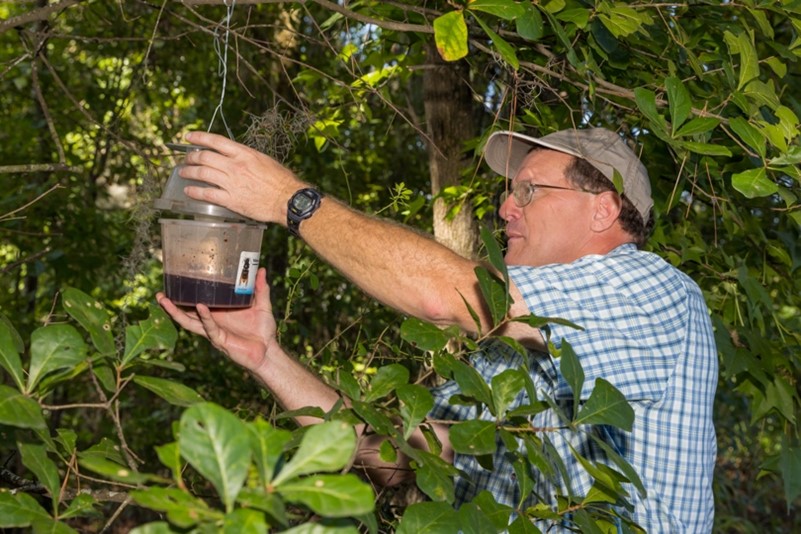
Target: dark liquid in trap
x,y
186,291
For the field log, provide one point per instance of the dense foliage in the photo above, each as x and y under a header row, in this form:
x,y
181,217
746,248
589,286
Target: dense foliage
x,y
99,392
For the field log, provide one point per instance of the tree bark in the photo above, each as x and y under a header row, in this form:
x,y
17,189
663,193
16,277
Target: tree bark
x,y
449,124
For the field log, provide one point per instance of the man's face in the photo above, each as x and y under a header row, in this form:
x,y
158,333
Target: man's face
x,y
555,225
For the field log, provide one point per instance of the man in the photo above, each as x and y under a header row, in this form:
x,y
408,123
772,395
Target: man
x,y
572,253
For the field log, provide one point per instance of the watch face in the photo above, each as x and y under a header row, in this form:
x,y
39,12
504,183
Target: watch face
x,y
301,203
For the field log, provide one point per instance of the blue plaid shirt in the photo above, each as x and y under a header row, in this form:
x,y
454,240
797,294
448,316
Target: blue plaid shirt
x,y
647,331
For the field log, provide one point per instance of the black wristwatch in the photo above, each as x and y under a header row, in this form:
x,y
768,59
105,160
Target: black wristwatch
x,y
300,207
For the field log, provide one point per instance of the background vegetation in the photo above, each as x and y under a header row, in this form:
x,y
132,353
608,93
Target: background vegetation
x,y
385,105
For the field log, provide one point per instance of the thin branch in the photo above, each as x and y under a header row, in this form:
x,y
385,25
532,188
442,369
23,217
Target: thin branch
x,y
38,167
36,15
34,201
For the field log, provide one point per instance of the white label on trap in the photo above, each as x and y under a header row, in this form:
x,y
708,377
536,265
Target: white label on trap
x,y
246,273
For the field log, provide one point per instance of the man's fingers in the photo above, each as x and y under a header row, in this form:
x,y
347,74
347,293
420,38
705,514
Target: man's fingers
x,y
221,144
188,320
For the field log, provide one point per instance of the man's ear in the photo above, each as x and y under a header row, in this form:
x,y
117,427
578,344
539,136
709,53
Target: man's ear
x,y
608,206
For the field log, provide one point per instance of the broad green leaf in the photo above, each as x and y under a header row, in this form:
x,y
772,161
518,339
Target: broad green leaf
x,y
426,336
91,315
622,464
506,386
530,26
387,379
499,514
268,502
54,347
606,406
696,126
267,444
215,442
706,149
170,456
243,520
749,134
473,437
19,411
570,366
790,465
169,390
376,419
506,51
34,457
10,348
331,495
416,402
428,518
754,183
434,476
505,9
82,505
154,333
646,103
182,509
472,520
472,384
495,294
679,100
113,470
620,19
450,35
324,447
19,510
105,449
522,525
48,525
743,45
494,254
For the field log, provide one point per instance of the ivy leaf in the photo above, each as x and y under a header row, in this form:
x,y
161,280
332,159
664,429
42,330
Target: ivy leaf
x,y
754,183
679,100
324,447
386,380
10,348
54,347
416,402
428,517
169,390
215,442
606,406
426,336
19,411
331,495
505,9
154,333
450,35
91,315
473,437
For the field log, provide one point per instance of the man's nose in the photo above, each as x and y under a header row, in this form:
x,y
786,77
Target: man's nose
x,y
509,209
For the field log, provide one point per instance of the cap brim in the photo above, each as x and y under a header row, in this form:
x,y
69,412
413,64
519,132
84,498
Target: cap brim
x,y
505,151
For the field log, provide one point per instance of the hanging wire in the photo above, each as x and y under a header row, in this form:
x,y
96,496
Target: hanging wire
x,y
221,49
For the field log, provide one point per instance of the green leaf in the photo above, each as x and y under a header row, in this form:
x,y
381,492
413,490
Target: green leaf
x,y
706,149
679,100
498,514
318,528
697,126
571,369
324,447
495,294
450,35
91,315
182,509
10,348
472,520
646,103
606,406
113,470
156,527
19,411
169,390
530,26
622,464
81,506
743,46
376,419
790,465
506,386
268,502
54,347
472,384
473,437
170,456
426,336
34,457
215,442
494,254
505,9
434,476
386,380
754,183
331,495
19,510
749,134
416,402
506,51
267,444
620,20
154,333
428,518
243,520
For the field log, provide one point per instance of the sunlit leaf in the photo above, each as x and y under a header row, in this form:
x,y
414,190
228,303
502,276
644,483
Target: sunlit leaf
x,y
54,347
91,315
416,402
169,390
606,406
267,444
428,518
331,495
754,183
324,447
387,379
450,35
473,437
505,9
154,333
426,336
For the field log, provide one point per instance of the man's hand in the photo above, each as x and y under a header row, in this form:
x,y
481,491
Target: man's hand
x,y
247,181
244,334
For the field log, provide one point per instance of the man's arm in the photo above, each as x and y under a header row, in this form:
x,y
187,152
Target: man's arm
x,y
396,265
247,336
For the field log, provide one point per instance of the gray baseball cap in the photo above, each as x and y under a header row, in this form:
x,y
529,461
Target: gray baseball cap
x,y
603,149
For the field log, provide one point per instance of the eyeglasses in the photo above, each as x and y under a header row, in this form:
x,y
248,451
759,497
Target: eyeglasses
x,y
523,192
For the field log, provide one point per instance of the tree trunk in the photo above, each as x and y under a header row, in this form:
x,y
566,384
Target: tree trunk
x,y
449,124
